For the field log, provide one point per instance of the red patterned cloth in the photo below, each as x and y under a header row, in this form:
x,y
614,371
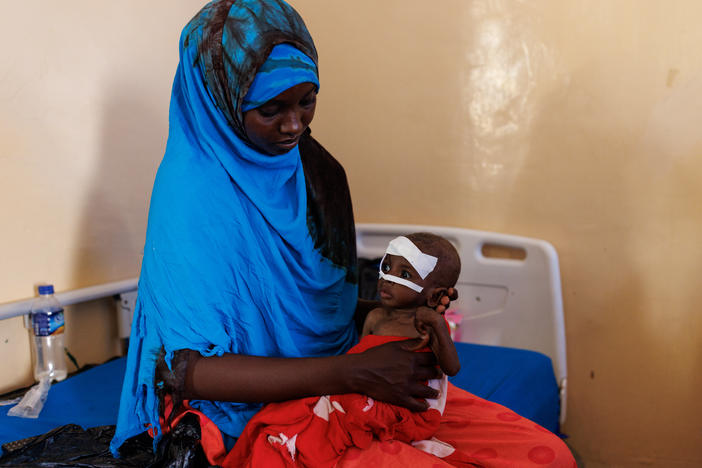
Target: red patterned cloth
x,y
354,431
317,431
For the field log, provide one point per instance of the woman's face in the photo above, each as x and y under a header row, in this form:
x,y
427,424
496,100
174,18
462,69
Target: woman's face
x,y
275,127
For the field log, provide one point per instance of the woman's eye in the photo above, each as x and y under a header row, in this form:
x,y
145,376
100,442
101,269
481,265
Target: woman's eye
x,y
268,111
405,274
386,267
309,101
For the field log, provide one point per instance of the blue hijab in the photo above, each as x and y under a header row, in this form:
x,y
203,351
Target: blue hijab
x,y
230,264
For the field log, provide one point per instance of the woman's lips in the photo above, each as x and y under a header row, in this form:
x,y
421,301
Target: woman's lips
x,y
288,144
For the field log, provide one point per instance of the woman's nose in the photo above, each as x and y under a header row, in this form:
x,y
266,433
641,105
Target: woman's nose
x,y
291,124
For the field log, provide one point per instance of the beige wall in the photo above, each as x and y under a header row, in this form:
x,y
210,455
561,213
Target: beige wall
x,y
84,89
571,121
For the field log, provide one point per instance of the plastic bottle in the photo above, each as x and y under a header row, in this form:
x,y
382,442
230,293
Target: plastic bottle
x,y
48,326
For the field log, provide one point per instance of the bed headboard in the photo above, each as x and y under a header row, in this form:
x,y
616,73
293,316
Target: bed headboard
x,y
509,289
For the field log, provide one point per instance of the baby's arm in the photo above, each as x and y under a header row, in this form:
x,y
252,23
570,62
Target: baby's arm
x,y
433,330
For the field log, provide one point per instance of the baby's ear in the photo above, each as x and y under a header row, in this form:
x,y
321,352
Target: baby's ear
x,y
434,295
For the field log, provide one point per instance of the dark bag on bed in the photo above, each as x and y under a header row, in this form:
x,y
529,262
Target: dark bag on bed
x,y
70,445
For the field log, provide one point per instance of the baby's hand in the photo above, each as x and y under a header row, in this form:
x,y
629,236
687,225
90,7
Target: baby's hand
x,y
433,332
422,344
445,301
425,321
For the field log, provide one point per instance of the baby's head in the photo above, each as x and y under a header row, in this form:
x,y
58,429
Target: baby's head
x,y
417,270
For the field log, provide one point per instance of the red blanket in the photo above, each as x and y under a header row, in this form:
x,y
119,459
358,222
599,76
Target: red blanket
x,y
354,431
317,431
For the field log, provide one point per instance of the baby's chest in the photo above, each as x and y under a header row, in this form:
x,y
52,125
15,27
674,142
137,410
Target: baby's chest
x,y
393,327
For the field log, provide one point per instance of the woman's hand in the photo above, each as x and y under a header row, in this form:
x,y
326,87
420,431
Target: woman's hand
x,y
394,374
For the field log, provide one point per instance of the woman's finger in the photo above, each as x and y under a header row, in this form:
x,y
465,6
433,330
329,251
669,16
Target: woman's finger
x,y
427,373
423,391
414,404
424,360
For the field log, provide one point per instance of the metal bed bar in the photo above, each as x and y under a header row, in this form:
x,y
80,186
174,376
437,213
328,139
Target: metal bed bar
x,y
22,307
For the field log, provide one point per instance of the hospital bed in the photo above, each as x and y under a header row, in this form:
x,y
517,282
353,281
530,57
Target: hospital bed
x,y
512,337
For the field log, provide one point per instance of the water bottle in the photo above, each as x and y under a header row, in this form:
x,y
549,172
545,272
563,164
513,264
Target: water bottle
x,y
48,326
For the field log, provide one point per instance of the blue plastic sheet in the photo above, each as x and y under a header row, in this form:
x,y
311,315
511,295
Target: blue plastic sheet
x,y
521,380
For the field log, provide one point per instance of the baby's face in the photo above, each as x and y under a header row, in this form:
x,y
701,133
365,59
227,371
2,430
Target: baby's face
x,y
395,295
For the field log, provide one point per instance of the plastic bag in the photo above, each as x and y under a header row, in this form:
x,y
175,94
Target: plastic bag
x,y
12,401
33,401
70,445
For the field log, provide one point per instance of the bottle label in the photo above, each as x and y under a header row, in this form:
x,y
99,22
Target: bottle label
x,y
48,323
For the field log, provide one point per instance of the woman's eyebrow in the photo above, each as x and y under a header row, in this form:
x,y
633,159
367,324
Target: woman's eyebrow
x,y
272,102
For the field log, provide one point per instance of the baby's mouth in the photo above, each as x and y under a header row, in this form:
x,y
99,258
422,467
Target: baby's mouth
x,y
384,291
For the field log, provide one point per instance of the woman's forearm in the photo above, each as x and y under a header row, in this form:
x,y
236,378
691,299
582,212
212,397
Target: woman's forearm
x,y
262,379
388,372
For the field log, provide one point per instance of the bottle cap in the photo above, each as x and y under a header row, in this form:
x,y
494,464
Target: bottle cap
x,y
46,289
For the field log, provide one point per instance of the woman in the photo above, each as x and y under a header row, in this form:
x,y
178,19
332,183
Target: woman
x,y
248,284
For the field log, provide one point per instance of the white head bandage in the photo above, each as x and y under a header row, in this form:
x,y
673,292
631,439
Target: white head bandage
x,y
421,262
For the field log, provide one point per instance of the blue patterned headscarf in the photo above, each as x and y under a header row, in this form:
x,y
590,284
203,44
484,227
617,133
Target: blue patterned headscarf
x,y
284,65
229,263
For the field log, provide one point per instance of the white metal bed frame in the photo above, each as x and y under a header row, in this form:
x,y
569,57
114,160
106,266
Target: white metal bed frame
x,y
504,301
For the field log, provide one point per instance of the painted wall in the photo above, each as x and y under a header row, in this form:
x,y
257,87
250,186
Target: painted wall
x,y
84,90
570,121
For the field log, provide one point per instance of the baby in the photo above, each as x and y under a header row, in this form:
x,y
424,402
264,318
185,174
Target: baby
x,y
415,273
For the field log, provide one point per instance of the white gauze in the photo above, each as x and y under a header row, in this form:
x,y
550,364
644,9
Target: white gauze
x,y
423,263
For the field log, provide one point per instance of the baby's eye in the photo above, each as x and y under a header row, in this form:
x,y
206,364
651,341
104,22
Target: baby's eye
x,y
405,274
386,267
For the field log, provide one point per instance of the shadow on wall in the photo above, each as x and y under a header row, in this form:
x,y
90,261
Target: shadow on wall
x,y
571,197
110,236
623,233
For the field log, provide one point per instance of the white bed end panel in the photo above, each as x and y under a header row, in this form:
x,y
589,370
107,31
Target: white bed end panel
x,y
504,302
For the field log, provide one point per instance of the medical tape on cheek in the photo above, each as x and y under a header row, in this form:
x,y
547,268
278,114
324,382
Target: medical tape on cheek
x,y
421,262
403,282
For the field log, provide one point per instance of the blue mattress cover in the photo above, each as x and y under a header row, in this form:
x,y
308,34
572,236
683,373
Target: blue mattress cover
x,y
521,380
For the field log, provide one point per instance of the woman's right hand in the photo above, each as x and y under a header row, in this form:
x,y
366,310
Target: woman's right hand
x,y
394,374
